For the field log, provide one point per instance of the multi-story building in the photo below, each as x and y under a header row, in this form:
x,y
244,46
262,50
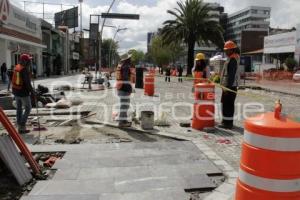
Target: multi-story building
x,y
248,27
150,36
218,15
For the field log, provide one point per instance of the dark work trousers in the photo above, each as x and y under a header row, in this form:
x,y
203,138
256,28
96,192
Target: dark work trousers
x,y
180,78
167,79
227,100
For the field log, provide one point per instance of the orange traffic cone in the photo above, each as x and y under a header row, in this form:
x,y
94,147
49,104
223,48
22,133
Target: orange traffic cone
x,y
270,161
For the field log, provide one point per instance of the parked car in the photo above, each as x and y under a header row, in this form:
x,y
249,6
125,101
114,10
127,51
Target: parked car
x,y
296,76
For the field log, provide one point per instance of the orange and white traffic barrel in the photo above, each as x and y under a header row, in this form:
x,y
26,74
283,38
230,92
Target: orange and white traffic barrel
x,y
204,106
149,85
270,160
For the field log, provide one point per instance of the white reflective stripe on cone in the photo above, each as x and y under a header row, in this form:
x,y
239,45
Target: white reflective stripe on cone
x,y
273,185
272,143
205,89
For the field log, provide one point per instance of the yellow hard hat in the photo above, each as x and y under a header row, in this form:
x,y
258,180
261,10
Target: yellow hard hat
x,y
200,56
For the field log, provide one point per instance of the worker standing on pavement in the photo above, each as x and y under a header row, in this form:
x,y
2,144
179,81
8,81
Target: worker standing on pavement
x,y
230,77
168,74
200,69
22,90
180,71
124,88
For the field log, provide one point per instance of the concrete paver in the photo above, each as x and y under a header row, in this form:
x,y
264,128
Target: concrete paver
x,y
145,171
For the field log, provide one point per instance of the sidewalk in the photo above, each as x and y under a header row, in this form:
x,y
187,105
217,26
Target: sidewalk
x,y
281,86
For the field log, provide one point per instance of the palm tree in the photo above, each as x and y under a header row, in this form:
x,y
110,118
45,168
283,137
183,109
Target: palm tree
x,y
193,23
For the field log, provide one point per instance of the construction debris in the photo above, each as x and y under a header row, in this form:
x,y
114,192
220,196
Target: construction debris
x,y
13,160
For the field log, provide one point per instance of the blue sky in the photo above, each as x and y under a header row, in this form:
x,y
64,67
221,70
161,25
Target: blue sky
x,y
285,14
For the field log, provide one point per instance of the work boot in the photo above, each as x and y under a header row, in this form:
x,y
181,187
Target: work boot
x,y
225,126
23,130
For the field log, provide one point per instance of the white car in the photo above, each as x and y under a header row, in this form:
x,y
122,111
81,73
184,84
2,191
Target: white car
x,y
296,76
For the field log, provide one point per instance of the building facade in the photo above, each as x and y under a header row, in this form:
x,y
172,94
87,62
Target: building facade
x,y
254,21
218,15
19,33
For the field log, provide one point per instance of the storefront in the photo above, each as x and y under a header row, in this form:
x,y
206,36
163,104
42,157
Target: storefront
x,y
19,33
279,47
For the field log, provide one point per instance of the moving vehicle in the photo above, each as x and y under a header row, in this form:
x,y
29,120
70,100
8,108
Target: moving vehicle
x,y
296,76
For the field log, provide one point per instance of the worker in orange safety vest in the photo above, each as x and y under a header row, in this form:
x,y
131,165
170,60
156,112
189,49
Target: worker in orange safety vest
x,y
22,90
124,88
230,76
200,69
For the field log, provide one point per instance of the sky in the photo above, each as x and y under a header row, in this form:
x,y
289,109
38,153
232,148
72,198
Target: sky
x,y
285,14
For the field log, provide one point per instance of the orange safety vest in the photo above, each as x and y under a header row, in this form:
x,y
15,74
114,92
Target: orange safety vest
x,y
17,82
198,77
132,77
119,82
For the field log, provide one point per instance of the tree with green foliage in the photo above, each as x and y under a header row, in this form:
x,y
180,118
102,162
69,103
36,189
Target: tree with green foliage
x,y
291,63
137,56
159,53
109,52
163,54
193,22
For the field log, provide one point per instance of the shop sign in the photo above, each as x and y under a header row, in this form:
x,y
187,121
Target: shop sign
x,y
4,10
75,56
285,39
16,19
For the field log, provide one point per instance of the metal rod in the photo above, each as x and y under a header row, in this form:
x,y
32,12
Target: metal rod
x,y
104,20
43,11
48,3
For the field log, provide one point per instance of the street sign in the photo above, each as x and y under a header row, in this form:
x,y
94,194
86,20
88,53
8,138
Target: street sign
x,y
120,16
94,30
67,18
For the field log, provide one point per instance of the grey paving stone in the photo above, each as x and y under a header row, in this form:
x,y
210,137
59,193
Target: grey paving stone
x,y
73,187
146,184
166,194
116,161
69,174
199,181
114,173
62,197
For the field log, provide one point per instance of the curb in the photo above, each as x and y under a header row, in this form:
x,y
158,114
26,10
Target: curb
x,y
269,90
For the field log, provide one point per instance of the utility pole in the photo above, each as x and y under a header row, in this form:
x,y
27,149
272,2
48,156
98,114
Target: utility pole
x,y
80,2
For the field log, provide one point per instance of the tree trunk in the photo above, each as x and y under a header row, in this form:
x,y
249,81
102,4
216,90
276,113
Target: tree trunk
x,y
190,58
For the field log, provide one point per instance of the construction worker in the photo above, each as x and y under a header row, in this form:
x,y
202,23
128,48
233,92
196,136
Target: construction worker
x,y
200,69
168,73
22,90
124,88
230,76
180,71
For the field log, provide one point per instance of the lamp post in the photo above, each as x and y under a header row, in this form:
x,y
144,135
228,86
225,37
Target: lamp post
x,y
80,2
101,31
109,53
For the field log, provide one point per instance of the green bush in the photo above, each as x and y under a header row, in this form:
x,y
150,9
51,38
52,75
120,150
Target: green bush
x,y
291,63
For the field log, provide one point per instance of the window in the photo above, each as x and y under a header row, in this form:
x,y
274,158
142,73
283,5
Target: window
x,y
254,11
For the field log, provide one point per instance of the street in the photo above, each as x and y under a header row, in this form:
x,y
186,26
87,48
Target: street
x,y
175,100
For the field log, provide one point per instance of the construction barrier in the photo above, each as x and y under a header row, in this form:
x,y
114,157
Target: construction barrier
x,y
149,85
204,106
270,160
